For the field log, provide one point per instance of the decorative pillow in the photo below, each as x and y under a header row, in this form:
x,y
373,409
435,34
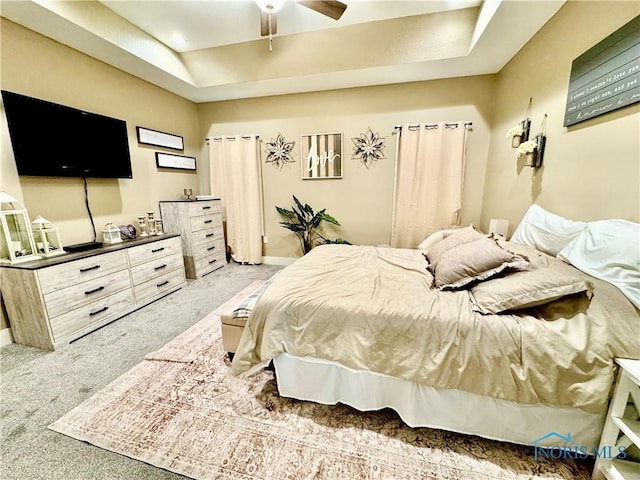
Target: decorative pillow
x,y
472,262
609,250
460,237
546,231
544,282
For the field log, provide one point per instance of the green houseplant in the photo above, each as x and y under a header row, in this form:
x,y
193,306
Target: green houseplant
x,y
305,222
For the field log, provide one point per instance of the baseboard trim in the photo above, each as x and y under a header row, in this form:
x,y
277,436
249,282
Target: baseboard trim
x,y
6,338
278,260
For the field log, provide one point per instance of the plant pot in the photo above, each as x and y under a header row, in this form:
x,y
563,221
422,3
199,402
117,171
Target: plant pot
x,y
516,141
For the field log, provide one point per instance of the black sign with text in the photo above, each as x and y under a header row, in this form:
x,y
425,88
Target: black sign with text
x,y
606,77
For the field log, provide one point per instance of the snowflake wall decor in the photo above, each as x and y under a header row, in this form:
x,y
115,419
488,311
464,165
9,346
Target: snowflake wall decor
x,y
279,151
368,147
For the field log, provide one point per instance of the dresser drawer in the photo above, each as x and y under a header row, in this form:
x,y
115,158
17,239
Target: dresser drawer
x,y
206,222
210,263
154,250
207,236
159,285
65,325
73,297
156,268
82,270
199,208
208,249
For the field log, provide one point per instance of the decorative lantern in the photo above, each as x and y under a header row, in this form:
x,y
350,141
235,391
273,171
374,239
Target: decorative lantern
x,y
17,239
111,234
47,238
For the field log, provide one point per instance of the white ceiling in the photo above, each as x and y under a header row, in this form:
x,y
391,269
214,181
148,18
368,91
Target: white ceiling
x,y
224,57
215,23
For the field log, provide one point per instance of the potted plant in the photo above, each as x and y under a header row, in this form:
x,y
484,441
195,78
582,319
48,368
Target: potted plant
x,y
304,222
533,151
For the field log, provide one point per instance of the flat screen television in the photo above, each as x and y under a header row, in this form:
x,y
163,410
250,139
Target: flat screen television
x,y
55,140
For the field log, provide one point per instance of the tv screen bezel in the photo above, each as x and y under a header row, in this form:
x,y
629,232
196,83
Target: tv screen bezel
x,y
78,138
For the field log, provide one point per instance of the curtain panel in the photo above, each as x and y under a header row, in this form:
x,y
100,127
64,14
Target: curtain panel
x,y
429,178
236,179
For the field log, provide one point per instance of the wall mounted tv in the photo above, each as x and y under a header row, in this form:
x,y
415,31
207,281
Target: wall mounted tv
x,y
59,141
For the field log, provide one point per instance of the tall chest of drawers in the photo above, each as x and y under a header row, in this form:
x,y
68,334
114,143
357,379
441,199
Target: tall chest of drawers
x,y
57,300
199,223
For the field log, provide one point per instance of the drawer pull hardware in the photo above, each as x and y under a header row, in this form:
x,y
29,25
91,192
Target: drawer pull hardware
x,y
213,261
157,250
206,208
209,235
103,309
211,248
161,284
89,292
86,269
160,267
208,221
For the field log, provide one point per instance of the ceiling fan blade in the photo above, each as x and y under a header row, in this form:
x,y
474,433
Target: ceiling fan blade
x,y
264,23
330,8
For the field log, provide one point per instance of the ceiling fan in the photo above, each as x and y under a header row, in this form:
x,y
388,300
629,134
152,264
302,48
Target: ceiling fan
x,y
268,8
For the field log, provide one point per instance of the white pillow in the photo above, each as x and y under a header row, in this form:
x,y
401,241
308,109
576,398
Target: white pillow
x,y
546,231
609,250
434,238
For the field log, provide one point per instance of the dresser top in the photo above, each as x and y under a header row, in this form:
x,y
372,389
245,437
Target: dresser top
x,y
193,200
71,256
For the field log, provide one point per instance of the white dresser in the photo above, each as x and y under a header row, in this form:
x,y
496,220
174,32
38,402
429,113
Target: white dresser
x,y
199,223
54,301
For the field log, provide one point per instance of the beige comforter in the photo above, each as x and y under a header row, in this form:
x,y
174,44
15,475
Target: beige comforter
x,y
372,308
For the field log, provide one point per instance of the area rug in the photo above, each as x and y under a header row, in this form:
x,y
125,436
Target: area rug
x,y
181,410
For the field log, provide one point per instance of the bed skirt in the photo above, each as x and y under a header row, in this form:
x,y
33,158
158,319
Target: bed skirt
x,y
326,382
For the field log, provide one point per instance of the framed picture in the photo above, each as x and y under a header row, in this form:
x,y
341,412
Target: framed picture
x,y
169,160
321,156
147,136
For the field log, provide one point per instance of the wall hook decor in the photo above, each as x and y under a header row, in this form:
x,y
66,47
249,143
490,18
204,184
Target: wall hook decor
x,y
520,133
533,150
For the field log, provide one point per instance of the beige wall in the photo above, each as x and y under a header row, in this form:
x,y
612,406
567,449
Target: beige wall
x,y
361,200
591,170
39,67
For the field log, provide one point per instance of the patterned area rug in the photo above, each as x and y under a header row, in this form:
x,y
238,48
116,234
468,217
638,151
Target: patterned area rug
x,y
181,410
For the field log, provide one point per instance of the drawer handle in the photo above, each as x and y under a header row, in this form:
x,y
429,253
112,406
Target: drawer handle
x,y
213,261
206,208
86,269
96,312
160,267
89,292
209,235
211,248
162,284
208,221
157,250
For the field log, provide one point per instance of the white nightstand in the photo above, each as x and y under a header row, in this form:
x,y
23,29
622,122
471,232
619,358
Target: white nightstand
x,y
621,430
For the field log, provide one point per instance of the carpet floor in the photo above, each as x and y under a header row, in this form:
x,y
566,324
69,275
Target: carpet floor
x,y
180,410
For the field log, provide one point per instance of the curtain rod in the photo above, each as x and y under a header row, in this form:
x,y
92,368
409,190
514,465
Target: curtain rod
x,y
467,125
244,137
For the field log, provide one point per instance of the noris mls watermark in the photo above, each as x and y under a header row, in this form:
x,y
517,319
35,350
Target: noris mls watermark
x,y
566,447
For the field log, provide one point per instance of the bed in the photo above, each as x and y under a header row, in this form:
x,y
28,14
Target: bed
x,y
516,352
